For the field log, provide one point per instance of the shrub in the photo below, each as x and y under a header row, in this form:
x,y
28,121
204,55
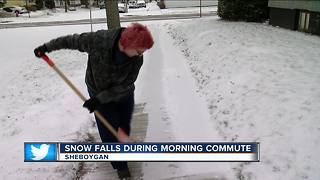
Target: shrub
x,y
31,7
49,4
247,10
39,4
161,4
85,3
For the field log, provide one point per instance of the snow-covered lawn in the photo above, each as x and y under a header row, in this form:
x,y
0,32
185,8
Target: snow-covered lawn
x,y
204,80
261,84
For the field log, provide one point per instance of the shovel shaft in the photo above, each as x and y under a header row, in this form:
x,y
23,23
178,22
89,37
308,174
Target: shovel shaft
x,y
82,97
70,84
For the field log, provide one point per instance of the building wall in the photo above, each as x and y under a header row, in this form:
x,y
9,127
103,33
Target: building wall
x,y
286,18
311,5
189,3
314,23
60,3
288,13
289,19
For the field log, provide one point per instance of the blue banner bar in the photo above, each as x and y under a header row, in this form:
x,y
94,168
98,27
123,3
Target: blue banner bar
x,y
186,151
158,148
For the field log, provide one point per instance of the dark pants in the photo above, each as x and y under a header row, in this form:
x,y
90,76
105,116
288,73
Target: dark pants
x,y
118,114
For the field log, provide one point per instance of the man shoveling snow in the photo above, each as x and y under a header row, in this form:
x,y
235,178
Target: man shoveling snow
x,y
115,58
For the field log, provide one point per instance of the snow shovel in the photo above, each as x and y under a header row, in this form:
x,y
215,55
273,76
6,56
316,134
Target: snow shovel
x,y
120,134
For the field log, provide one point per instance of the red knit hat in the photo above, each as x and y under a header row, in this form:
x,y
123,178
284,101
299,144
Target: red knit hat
x,y
136,36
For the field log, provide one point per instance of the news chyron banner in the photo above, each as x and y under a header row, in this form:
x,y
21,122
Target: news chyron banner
x,y
53,152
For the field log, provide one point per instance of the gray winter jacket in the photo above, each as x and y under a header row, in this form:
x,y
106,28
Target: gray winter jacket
x,y
107,80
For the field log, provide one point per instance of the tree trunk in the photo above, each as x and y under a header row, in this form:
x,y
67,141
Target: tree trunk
x,y
65,6
126,4
113,20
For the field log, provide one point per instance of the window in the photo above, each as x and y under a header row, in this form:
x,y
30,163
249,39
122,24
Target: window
x,y
304,21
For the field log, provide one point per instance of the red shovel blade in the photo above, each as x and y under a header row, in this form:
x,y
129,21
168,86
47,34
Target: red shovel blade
x,y
123,137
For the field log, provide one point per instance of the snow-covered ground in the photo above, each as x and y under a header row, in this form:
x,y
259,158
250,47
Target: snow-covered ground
x,y
261,84
204,80
82,13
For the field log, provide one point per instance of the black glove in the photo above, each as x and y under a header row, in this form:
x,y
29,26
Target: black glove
x,y
40,51
91,104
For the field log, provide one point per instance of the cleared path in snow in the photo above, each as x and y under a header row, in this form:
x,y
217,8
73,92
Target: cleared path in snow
x,y
103,170
176,112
